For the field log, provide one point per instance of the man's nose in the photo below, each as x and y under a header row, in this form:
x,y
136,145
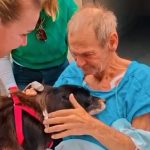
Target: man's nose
x,y
80,61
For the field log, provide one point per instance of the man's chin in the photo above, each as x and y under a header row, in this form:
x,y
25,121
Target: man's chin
x,y
87,72
94,73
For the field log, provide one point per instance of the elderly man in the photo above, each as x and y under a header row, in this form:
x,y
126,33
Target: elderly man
x,y
124,84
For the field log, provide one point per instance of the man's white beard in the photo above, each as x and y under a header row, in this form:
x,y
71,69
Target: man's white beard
x,y
97,73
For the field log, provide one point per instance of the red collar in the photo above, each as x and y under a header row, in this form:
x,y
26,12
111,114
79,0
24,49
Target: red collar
x,y
18,108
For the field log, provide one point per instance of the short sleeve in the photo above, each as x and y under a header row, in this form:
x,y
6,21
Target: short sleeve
x,y
138,95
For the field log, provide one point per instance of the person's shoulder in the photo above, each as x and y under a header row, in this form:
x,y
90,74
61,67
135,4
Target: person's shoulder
x,y
141,74
73,69
71,75
138,74
137,89
139,69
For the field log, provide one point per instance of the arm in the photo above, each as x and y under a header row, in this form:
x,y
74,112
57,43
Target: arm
x,y
78,122
142,122
6,73
115,139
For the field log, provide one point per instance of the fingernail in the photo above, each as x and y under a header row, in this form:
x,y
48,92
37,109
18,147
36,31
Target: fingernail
x,y
53,136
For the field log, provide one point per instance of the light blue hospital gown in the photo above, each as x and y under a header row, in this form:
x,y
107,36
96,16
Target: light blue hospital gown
x,y
131,98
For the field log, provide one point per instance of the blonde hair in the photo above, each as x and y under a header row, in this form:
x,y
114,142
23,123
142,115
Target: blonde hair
x,y
51,8
10,9
102,21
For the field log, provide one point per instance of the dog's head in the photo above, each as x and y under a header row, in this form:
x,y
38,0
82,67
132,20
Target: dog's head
x,y
57,98
50,99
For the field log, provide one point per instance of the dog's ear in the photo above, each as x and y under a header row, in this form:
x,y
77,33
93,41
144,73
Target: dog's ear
x,y
5,102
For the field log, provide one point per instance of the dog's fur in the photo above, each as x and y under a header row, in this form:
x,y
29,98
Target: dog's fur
x,y
51,99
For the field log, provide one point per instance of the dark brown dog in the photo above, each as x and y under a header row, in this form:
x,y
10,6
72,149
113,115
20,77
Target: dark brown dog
x,y
51,99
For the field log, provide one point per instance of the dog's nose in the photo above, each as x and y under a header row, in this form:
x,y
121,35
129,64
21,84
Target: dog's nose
x,y
97,107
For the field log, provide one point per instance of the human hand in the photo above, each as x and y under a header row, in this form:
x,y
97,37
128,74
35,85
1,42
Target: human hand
x,y
33,88
68,122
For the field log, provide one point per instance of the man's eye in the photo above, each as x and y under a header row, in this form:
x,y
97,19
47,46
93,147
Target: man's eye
x,y
83,55
88,54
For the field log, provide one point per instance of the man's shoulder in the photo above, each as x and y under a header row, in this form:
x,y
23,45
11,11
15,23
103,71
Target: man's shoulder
x,y
140,74
73,69
71,75
139,69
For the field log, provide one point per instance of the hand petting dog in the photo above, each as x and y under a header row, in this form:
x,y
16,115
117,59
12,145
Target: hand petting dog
x,y
68,122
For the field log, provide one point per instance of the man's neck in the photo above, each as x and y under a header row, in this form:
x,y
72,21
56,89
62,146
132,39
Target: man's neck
x,y
102,80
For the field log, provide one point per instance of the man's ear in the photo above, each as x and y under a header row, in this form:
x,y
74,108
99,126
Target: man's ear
x,y
113,41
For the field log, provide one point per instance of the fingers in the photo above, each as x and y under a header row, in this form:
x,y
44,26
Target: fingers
x,y
59,128
63,134
30,92
74,102
33,88
62,120
66,112
66,122
63,130
61,113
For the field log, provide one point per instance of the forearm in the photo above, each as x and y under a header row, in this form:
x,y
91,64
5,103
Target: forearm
x,y
110,137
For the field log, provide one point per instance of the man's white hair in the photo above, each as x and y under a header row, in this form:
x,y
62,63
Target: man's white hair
x,y
102,21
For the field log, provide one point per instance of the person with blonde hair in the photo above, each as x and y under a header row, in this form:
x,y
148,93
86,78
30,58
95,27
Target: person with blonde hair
x,y
124,124
45,56
13,24
14,28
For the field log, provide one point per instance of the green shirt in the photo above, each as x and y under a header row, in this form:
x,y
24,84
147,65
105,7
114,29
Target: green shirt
x,y
52,52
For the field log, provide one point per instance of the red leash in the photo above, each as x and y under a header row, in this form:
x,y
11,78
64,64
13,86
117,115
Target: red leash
x,y
18,108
